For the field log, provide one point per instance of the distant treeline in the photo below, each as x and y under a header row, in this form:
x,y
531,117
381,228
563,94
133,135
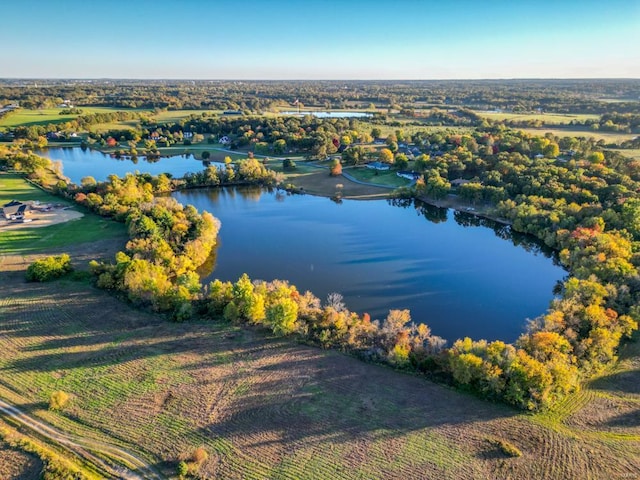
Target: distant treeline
x,y
577,96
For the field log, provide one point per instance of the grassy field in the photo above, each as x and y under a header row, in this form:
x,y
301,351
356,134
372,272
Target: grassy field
x,y
173,116
388,178
608,137
28,240
268,408
411,129
27,117
628,152
547,118
105,127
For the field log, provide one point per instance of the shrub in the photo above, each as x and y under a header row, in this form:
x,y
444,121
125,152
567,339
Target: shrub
x,y
182,469
200,455
508,448
58,400
49,268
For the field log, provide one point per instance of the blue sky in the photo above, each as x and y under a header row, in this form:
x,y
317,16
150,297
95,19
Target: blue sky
x,y
330,39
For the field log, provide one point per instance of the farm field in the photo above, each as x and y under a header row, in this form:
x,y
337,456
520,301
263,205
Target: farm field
x,y
607,137
547,118
628,152
173,116
45,116
268,408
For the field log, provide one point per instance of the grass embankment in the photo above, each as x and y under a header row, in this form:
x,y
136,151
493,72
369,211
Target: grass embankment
x,y
264,407
27,240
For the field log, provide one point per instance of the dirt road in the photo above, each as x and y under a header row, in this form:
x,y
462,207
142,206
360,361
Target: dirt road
x,y
87,449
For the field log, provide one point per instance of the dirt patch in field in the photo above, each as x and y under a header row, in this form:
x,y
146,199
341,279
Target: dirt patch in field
x,y
321,183
42,219
17,465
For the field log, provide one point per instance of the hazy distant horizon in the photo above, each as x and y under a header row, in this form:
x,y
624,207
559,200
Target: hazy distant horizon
x,y
166,79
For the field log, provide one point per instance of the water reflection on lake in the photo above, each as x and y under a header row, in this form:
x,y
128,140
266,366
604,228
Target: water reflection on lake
x,y
461,275
78,163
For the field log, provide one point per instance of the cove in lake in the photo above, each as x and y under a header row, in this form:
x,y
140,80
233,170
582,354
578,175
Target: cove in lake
x,y
78,163
461,275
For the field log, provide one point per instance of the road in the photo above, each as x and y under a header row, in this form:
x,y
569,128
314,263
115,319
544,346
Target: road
x,y
87,449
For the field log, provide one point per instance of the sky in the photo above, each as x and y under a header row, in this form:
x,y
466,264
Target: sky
x,y
329,39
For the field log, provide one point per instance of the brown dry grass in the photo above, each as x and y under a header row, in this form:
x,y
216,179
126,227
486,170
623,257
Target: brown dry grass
x,y
321,183
17,465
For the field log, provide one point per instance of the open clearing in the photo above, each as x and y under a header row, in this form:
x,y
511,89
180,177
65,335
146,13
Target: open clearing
x,y
269,408
64,227
608,137
319,182
547,118
45,116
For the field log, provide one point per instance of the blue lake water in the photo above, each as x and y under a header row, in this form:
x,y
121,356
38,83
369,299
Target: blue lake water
x,y
460,275
330,114
78,163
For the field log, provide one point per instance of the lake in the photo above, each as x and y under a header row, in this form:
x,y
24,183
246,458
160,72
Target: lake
x,y
78,163
460,275
330,114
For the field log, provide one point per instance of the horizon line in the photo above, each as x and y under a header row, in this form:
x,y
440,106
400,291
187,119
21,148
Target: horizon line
x,y
318,79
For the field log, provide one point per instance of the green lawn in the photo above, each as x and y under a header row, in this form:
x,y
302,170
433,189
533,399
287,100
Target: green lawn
x,y
30,240
377,177
45,116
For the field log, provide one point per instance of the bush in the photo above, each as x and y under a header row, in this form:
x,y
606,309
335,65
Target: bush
x,y
49,268
509,449
200,455
182,469
58,400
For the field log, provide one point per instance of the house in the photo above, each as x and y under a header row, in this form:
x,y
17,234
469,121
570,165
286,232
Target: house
x,y
232,112
459,181
409,175
224,140
539,156
187,135
378,166
154,136
379,141
15,210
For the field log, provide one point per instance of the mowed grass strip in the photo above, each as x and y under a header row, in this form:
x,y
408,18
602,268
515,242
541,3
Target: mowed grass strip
x,y
27,240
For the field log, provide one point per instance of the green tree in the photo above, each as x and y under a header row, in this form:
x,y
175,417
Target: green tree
x,y
282,316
